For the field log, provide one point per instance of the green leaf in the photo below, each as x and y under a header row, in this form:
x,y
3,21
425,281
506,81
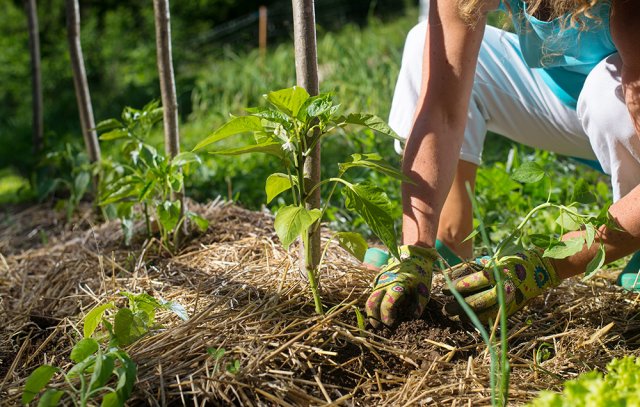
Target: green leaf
x,y
127,329
177,309
315,106
271,115
216,353
374,162
589,234
269,147
81,183
83,349
354,243
582,192
169,214
111,399
146,190
473,234
276,184
528,173
127,375
360,319
37,381
102,371
149,155
50,398
94,317
114,134
233,367
288,100
185,158
371,121
565,248
596,263
540,240
568,222
373,204
200,222
237,125
108,124
291,221
146,304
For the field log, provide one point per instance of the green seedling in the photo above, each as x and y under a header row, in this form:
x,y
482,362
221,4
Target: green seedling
x,y
72,174
126,325
217,354
288,129
148,178
87,381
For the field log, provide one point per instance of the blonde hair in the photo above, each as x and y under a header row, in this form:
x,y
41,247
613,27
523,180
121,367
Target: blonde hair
x,y
577,10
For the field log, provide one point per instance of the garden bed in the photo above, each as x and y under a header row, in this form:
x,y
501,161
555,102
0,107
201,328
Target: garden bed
x,y
244,294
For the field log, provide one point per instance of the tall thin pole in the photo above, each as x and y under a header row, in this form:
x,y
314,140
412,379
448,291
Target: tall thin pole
x,y
80,82
162,16
262,30
304,34
36,75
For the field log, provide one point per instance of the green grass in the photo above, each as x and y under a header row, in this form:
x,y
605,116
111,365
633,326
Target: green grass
x,y
13,187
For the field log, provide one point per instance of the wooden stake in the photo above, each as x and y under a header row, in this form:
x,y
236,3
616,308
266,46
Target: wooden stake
x,y
83,97
36,75
162,17
262,30
304,32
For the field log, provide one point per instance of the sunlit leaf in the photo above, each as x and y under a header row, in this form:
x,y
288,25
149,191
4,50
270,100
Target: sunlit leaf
x,y
568,222
291,221
374,162
270,147
83,349
237,125
93,318
528,173
565,248
185,158
354,243
276,184
288,100
596,263
50,398
371,121
37,381
373,204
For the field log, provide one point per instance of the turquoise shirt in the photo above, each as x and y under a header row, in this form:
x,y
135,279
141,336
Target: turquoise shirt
x,y
563,55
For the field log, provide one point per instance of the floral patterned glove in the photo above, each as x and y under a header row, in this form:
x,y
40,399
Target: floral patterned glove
x,y
402,288
525,276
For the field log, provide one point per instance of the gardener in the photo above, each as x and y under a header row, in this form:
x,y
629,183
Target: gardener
x,y
568,81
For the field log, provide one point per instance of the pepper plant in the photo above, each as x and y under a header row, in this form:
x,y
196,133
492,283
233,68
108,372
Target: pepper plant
x,y
568,219
288,129
148,178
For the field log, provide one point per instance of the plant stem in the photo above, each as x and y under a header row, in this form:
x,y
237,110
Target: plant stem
x,y
146,219
311,274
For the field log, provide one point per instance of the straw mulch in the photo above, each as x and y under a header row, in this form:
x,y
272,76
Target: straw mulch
x,y
244,294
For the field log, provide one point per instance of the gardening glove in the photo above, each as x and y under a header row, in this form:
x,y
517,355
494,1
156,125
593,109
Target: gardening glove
x,y
402,287
525,275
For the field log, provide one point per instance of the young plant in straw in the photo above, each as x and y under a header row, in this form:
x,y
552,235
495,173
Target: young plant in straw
x,y
288,129
146,178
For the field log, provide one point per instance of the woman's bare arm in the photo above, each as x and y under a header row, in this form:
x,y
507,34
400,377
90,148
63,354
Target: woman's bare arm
x,y
433,147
